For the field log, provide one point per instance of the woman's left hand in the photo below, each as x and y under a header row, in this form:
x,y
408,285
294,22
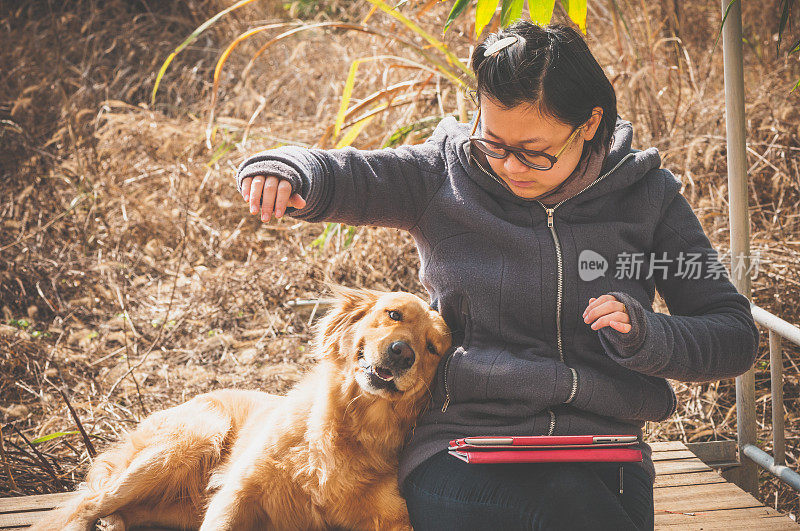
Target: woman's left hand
x,y
606,310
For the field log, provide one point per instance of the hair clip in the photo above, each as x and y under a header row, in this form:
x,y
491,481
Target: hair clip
x,y
499,45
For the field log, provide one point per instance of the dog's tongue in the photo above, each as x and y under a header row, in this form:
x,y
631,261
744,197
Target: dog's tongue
x,y
383,373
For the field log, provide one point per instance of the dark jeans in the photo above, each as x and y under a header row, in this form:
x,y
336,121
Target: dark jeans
x,y
446,493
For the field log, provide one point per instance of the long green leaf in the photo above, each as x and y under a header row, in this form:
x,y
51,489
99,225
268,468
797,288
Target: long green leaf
x,y
436,43
458,7
795,48
511,11
577,11
190,39
53,436
483,14
353,132
541,11
346,93
724,18
785,7
400,134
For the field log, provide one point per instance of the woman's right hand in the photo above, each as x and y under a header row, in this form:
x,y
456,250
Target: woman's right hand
x,y
269,194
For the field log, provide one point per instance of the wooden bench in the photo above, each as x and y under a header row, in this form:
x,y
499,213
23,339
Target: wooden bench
x,y
688,495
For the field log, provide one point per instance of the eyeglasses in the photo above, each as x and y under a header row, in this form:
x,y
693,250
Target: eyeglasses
x,y
538,160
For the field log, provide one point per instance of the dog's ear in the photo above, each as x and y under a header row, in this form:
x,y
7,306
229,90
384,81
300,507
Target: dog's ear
x,y
350,298
352,304
349,306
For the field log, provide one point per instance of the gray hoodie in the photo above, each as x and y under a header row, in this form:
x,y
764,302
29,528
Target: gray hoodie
x,y
511,278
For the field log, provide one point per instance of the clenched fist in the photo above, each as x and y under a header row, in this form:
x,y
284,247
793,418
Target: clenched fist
x,y
606,310
269,194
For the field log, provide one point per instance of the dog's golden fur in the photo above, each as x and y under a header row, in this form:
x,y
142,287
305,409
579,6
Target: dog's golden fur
x,y
325,455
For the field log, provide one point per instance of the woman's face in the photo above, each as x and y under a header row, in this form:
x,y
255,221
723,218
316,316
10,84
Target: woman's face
x,y
525,127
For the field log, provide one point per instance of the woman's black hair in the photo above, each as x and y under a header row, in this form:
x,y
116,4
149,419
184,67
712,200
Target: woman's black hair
x,y
551,67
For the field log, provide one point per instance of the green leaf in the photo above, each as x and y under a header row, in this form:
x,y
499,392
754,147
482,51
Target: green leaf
x,y
351,232
541,11
52,436
484,14
323,238
576,10
220,152
354,131
511,11
786,6
724,18
399,136
458,7
794,48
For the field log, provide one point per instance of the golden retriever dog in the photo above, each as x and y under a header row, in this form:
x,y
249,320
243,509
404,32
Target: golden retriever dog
x,y
323,456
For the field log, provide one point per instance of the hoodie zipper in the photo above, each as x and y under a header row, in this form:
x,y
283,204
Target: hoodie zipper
x,y
446,390
550,224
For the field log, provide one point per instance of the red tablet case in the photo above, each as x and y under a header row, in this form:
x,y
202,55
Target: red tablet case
x,y
539,441
613,455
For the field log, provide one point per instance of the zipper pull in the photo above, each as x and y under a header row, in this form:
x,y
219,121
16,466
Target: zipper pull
x,y
446,389
550,217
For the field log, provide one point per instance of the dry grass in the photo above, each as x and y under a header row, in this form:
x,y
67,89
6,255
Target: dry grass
x,y
143,281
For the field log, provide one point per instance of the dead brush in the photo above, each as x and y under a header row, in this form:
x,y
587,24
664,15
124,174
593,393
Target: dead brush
x,y
112,207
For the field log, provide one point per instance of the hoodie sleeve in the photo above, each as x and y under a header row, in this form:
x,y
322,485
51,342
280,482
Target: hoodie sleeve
x,y
710,333
389,187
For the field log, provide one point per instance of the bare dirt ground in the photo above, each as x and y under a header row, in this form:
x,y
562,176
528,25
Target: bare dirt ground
x,y
132,277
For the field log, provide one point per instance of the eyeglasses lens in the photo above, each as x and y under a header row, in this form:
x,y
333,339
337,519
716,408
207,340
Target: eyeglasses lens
x,y
538,162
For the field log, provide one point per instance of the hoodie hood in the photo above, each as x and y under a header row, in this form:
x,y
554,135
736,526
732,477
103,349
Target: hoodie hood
x,y
623,165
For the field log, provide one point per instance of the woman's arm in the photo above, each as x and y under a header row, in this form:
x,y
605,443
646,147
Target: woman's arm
x,y
390,187
710,333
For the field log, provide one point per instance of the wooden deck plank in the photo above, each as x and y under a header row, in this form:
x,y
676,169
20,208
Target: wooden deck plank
x,y
673,454
30,503
678,480
664,446
681,466
750,518
684,484
711,497
18,520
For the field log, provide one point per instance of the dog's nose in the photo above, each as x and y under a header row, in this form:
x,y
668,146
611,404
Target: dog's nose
x,y
402,354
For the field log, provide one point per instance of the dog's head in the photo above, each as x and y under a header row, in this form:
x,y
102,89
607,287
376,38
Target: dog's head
x,y
389,342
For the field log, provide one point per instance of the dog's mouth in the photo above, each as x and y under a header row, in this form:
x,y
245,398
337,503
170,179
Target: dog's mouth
x,y
377,376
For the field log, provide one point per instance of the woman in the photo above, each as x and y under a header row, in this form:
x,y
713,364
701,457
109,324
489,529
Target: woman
x,y
542,236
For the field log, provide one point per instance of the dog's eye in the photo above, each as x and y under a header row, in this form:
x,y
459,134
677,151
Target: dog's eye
x,y
395,315
431,348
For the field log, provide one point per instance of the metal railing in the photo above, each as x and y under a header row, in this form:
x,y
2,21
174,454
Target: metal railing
x,y
723,454
774,464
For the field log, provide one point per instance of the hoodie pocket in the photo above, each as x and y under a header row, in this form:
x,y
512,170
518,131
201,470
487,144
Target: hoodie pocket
x,y
493,373
631,396
447,371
